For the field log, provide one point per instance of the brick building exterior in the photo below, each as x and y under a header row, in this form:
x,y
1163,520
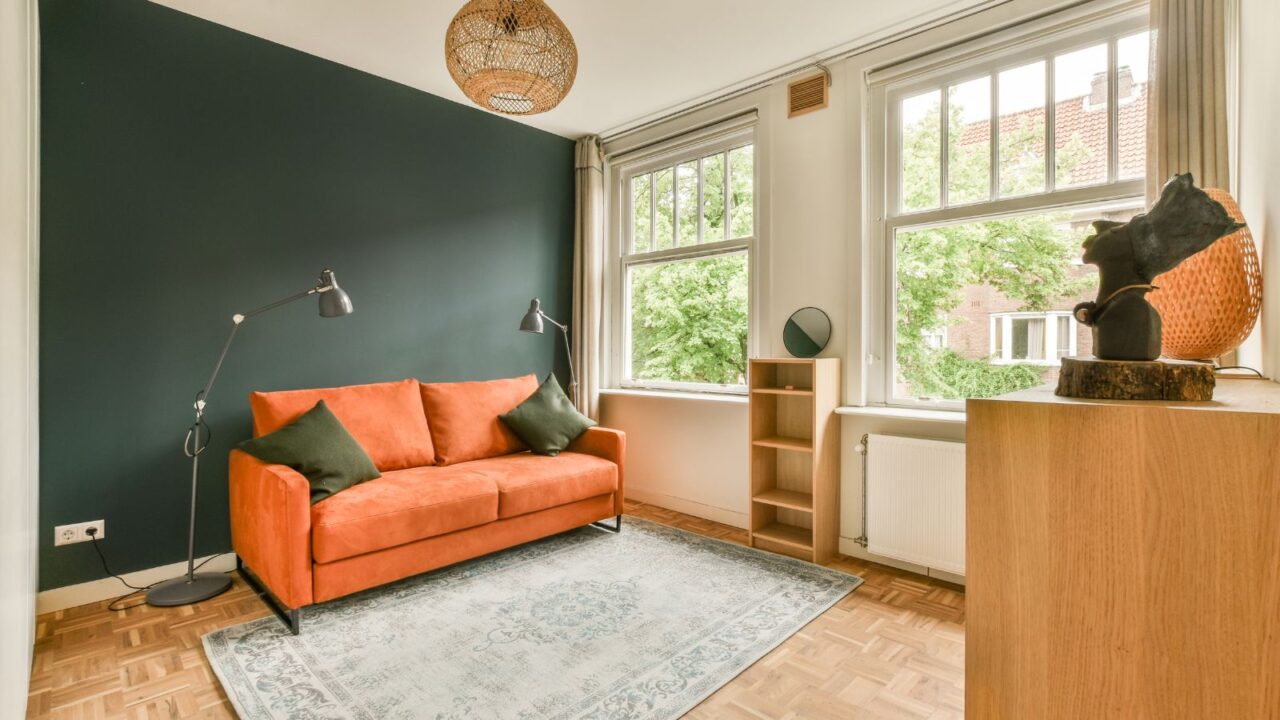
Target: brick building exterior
x,y
1081,121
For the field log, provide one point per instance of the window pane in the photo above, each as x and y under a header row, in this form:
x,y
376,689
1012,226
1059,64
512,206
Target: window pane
x,y
713,198
742,192
687,187
689,320
1022,128
1019,338
1028,338
664,219
1080,117
969,141
1064,337
641,212
972,279
922,151
1132,67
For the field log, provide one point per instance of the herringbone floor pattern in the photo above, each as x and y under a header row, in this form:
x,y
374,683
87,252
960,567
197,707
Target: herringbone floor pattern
x,y
892,649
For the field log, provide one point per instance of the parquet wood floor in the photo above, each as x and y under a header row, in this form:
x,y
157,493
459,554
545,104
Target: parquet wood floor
x,y
894,648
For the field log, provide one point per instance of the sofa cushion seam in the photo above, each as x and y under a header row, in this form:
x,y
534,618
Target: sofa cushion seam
x,y
401,510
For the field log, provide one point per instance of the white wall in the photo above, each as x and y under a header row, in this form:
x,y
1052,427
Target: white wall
x,y
18,479
671,465
691,454
1259,171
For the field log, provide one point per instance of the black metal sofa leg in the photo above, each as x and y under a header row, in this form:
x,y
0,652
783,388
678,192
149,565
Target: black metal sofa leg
x,y
291,617
617,525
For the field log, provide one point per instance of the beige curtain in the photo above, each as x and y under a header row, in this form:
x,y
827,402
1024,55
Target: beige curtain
x,y
1035,339
588,274
1187,113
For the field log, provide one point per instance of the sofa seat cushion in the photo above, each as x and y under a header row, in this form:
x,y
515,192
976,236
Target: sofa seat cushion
x,y
400,507
528,483
464,417
387,419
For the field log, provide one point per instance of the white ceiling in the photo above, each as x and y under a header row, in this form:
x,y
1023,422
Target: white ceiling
x,y
634,58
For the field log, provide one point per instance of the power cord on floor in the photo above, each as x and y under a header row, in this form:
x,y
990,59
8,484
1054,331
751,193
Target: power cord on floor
x,y
114,605
1237,367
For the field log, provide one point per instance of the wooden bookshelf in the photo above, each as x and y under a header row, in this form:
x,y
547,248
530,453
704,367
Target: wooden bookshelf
x,y
795,456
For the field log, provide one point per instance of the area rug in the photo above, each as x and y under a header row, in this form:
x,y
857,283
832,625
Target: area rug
x,y
587,624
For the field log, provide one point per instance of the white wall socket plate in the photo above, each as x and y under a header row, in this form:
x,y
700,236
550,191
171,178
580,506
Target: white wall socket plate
x,y
70,534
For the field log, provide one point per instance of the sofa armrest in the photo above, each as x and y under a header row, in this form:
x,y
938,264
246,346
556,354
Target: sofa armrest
x,y
608,444
271,526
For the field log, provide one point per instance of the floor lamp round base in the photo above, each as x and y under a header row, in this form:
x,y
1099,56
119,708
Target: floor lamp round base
x,y
184,590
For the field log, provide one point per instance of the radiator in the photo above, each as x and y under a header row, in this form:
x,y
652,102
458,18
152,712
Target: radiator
x,y
914,506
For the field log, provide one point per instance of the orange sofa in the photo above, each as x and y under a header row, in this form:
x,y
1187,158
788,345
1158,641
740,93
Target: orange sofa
x,y
456,484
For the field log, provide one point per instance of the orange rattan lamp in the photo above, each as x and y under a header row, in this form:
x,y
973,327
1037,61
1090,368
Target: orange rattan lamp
x,y
1210,302
511,56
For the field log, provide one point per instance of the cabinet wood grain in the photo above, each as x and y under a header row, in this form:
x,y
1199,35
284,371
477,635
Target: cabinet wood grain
x,y
1124,557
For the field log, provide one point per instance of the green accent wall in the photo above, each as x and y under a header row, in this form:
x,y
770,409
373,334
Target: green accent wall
x,y
190,172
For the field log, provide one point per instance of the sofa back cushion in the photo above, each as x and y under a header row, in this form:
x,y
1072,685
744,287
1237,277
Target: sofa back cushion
x,y
385,418
464,417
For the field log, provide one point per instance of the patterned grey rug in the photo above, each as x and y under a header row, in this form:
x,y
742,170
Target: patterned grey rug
x,y
588,624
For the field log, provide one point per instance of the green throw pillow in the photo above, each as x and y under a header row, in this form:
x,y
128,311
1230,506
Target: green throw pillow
x,y
547,422
319,447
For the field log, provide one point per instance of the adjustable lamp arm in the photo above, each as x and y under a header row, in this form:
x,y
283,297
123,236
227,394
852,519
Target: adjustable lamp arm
x,y
564,333
325,285
532,322
235,325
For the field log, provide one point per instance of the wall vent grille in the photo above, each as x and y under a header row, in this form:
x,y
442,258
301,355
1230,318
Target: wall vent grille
x,y
807,95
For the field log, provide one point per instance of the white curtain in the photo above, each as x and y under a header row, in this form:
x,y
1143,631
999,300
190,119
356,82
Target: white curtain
x,y
588,274
1187,111
1035,339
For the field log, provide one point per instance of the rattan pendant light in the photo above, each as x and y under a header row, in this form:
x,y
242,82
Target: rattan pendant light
x,y
512,56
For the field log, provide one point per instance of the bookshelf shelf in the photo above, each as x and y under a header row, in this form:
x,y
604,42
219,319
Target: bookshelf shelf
x,y
792,499
783,391
785,443
790,535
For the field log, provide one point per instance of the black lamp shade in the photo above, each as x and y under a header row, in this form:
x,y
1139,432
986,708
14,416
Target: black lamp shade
x,y
532,321
334,302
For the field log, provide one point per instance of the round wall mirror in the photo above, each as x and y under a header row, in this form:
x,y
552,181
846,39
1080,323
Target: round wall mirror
x,y
806,332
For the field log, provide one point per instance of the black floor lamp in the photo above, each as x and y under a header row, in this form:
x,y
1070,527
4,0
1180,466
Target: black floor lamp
x,y
194,587
532,322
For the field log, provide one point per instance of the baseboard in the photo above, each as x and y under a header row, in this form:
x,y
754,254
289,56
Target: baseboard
x,y
689,507
850,547
107,588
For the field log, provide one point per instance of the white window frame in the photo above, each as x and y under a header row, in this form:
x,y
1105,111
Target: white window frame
x,y
1037,40
940,333
1002,322
693,147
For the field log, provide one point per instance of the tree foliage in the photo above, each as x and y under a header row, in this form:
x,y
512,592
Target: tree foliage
x,y
689,317
1027,258
689,320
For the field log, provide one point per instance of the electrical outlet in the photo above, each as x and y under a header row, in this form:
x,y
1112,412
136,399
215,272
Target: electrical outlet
x,y
78,532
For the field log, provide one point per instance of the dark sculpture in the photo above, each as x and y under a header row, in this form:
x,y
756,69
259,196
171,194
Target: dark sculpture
x,y
1129,256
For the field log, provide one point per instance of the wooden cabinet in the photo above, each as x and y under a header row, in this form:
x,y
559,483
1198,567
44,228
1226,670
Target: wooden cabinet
x,y
1124,557
795,457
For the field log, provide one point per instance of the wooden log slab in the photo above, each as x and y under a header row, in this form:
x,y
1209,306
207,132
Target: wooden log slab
x,y
1089,377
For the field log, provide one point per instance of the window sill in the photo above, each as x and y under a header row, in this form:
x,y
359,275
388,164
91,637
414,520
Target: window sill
x,y
903,413
1037,363
677,395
